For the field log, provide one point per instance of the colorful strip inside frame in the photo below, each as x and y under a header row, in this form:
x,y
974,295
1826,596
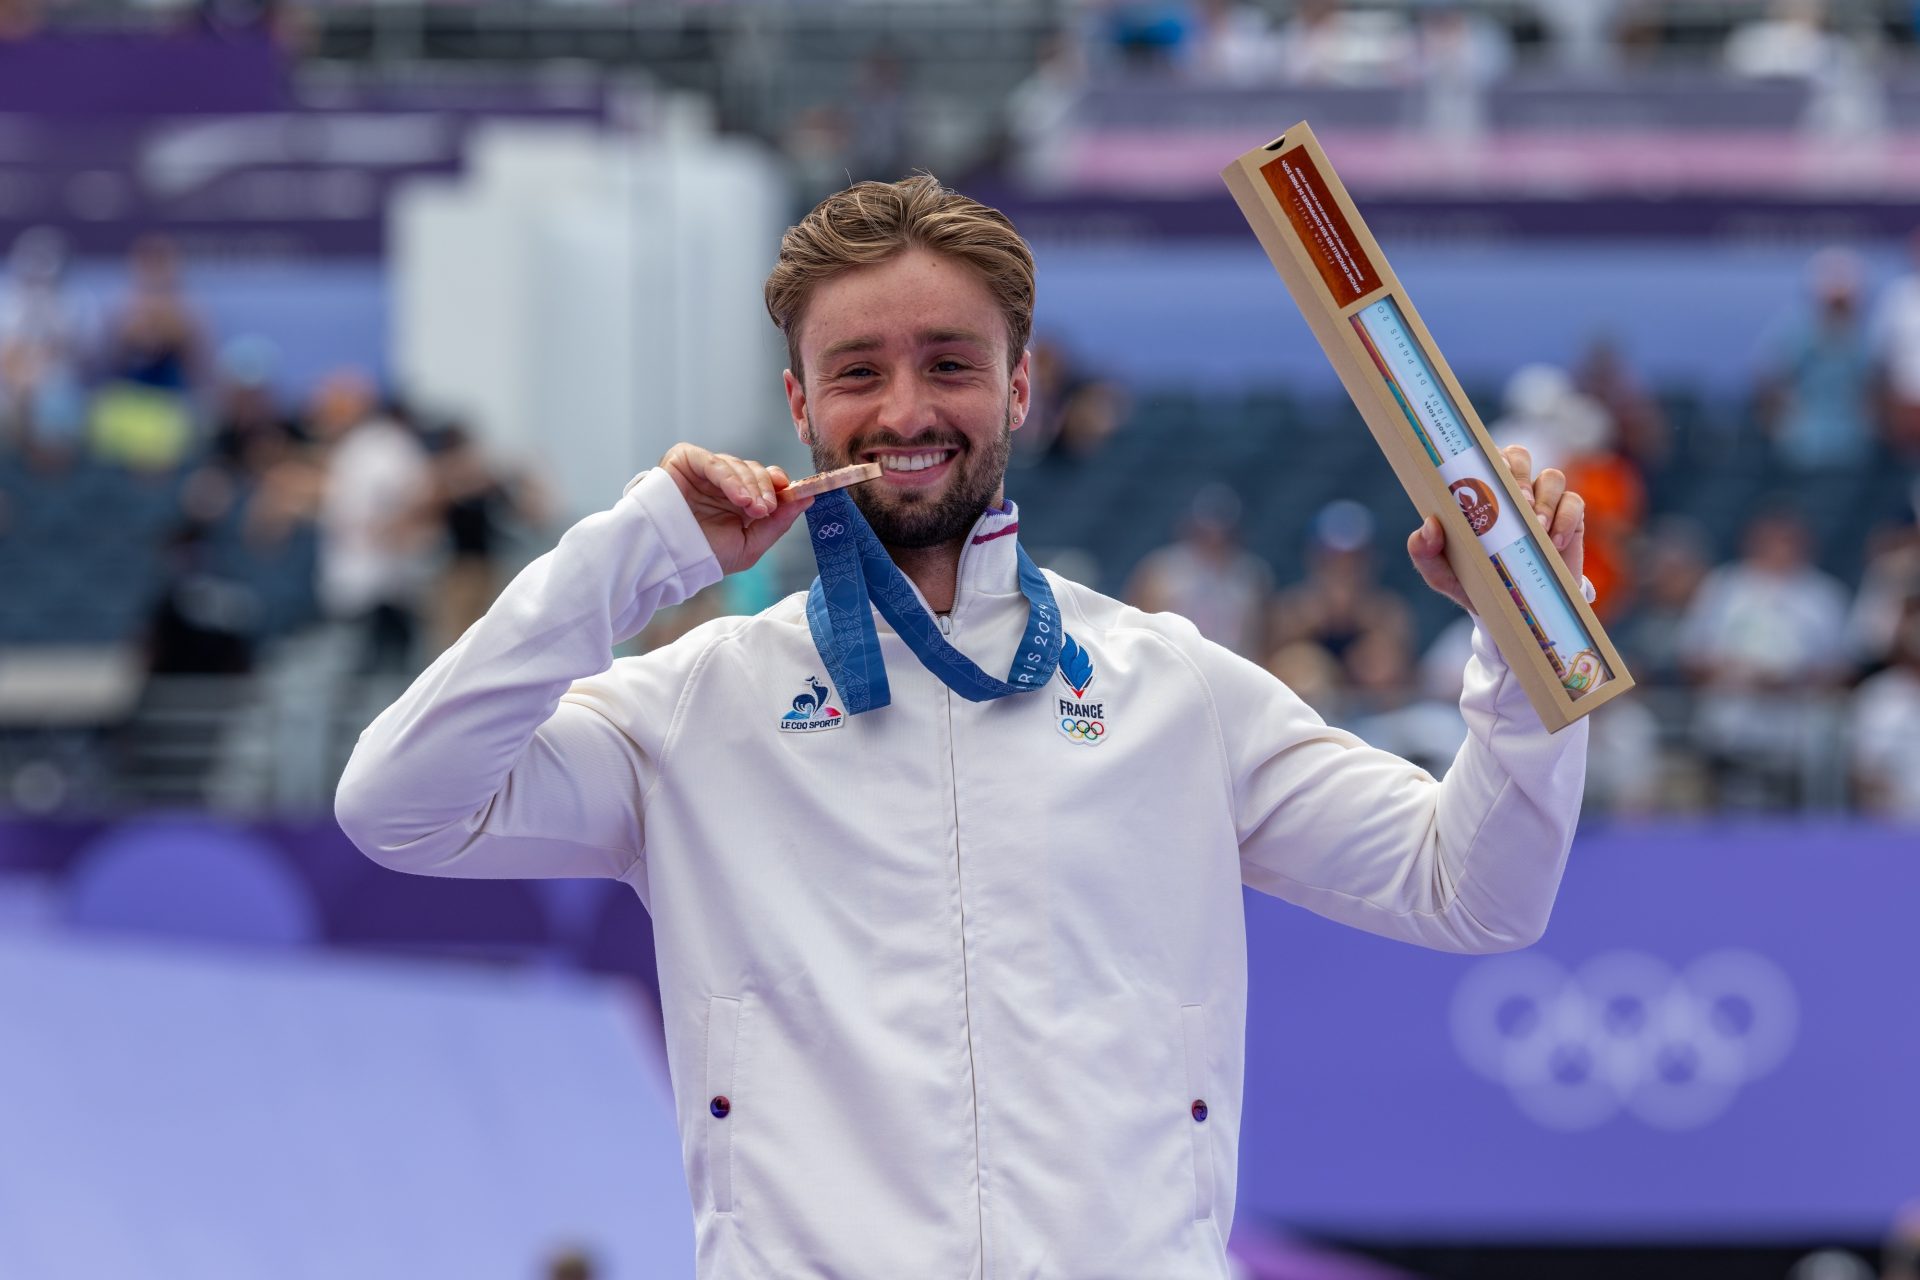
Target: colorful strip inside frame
x,y
1507,536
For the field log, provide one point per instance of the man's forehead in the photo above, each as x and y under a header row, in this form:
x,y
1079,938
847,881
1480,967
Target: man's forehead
x,y
908,300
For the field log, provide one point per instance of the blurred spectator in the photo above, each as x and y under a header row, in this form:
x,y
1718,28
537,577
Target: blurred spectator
x,y
378,522
1580,34
818,146
879,140
1074,413
1388,708
1674,561
1831,1264
250,433
1639,424
1892,574
1542,412
1233,44
1761,635
1627,771
571,1264
1895,341
1616,504
1340,602
46,333
1458,55
157,339
476,504
20,19
1900,1260
1560,427
1040,111
1148,33
1053,378
1846,104
1816,395
1443,667
1088,418
1207,577
1326,44
155,360
207,617
1885,725
1792,41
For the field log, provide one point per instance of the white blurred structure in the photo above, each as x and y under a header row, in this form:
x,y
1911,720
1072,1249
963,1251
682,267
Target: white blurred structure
x,y
584,297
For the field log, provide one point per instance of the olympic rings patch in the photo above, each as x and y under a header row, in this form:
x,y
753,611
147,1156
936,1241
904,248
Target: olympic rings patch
x,y
1625,1032
1087,731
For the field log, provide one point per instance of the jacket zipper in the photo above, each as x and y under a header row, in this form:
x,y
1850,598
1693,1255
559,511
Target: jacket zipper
x,y
966,981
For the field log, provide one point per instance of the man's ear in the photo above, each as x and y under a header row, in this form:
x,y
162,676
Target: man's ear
x,y
1020,402
797,405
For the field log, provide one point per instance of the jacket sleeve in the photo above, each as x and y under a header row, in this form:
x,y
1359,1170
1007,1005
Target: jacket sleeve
x,y
1471,863
480,770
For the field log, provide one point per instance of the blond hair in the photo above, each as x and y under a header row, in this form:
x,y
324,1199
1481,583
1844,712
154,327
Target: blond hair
x,y
871,222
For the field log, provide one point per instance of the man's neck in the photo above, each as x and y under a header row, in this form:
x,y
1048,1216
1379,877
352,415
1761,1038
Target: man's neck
x,y
935,570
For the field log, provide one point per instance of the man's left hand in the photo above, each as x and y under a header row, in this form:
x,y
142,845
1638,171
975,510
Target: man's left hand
x,y
1558,510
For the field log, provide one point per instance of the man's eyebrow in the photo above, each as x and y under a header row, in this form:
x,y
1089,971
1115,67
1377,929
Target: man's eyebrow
x,y
849,347
934,337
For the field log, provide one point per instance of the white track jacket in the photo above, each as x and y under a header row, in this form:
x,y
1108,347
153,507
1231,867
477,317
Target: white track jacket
x,y
953,990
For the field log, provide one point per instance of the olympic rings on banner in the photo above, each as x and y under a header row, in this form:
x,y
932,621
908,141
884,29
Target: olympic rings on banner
x,y
1625,1032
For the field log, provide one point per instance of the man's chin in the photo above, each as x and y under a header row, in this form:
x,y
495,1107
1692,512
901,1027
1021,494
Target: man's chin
x,y
919,518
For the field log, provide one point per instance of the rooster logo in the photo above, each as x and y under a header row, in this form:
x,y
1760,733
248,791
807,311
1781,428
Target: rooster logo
x,y
807,703
1076,668
810,709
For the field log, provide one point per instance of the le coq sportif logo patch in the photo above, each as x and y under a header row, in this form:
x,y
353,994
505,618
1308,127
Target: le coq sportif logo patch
x,y
810,712
1625,1034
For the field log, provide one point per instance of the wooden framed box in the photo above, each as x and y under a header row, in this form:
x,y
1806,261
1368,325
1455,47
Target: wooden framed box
x,y
1388,362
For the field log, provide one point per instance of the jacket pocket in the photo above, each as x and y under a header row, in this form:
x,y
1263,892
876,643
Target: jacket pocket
x,y
1193,1034
723,1038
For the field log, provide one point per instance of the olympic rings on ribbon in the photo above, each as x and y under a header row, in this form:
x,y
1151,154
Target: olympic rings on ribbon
x,y
832,529
1082,730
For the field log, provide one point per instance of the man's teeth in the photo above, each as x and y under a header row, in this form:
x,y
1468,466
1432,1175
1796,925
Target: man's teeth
x,y
911,461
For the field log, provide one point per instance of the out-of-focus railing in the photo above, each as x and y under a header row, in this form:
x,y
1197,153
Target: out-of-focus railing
x,y
274,744
265,744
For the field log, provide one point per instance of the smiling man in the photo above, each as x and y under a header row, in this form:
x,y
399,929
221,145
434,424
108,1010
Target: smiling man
x,y
952,963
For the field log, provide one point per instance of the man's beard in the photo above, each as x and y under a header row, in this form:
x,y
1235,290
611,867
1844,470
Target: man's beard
x,y
912,519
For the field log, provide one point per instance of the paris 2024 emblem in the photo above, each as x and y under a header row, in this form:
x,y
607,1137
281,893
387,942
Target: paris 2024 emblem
x,y
1477,503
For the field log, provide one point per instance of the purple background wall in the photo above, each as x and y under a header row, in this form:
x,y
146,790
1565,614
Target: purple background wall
x,y
1361,1110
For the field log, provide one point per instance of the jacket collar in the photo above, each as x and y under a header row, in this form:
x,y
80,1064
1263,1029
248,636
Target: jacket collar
x,y
989,562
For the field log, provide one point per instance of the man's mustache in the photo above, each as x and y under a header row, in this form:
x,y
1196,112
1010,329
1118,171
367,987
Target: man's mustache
x,y
893,440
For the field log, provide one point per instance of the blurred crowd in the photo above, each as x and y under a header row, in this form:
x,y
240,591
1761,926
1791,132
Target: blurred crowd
x,y
404,516
1323,42
1786,673
1446,54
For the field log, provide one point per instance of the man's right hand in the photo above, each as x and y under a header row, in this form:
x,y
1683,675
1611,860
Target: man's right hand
x,y
736,502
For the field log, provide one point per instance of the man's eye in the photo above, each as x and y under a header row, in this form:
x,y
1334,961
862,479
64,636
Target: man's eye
x,y
858,371
949,366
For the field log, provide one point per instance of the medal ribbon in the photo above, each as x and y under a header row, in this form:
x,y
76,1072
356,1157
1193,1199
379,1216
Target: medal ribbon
x,y
857,576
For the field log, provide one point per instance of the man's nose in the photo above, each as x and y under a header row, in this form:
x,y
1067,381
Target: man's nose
x,y
907,406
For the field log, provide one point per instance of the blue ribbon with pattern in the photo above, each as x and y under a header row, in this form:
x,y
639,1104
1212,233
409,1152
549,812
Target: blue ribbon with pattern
x,y
857,576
